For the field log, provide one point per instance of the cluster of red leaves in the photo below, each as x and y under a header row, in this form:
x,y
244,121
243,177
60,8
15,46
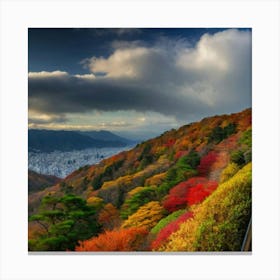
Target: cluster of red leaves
x,y
199,192
130,239
169,229
206,162
170,143
176,198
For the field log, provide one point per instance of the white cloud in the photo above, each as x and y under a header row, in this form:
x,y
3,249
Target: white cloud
x,y
45,74
220,52
85,76
124,62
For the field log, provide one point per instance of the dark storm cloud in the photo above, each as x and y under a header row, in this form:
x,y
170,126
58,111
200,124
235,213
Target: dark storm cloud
x,y
119,32
69,94
212,77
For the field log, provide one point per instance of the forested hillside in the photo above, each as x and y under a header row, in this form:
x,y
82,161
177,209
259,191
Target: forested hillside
x,y
187,190
38,182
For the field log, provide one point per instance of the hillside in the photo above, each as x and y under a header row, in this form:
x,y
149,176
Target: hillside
x,y
51,140
38,182
187,190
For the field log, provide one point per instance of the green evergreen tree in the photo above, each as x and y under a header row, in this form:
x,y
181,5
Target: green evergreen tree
x,y
64,221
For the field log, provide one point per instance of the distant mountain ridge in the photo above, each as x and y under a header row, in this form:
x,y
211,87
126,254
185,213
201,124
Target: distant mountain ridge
x,y
105,135
51,140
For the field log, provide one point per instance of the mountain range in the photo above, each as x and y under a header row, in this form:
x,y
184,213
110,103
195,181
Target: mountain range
x,y
61,140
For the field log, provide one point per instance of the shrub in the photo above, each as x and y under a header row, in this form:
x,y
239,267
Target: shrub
x,y
199,192
219,222
130,239
95,201
229,171
217,135
142,197
165,221
225,230
220,133
155,180
192,159
206,162
169,229
146,216
177,197
134,191
179,172
238,157
108,217
246,138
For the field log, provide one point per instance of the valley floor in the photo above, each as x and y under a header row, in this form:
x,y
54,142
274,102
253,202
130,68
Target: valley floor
x,y
60,164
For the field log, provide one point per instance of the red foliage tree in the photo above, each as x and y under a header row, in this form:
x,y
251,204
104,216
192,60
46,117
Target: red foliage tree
x,y
130,239
169,229
176,198
170,143
206,162
199,192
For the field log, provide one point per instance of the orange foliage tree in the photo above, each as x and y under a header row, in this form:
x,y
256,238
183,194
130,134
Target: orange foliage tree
x,y
131,239
109,217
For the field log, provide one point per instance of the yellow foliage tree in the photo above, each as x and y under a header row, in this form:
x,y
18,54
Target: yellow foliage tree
x,y
134,191
228,172
155,180
95,201
220,222
146,216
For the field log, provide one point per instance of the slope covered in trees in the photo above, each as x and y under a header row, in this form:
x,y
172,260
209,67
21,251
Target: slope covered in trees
x,y
187,190
38,182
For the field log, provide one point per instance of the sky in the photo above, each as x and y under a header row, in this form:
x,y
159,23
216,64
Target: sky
x,y
136,82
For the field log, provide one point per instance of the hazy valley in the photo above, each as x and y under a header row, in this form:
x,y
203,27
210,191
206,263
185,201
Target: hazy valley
x,y
62,163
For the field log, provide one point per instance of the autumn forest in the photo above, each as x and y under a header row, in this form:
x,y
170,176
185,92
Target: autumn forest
x,y
187,190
